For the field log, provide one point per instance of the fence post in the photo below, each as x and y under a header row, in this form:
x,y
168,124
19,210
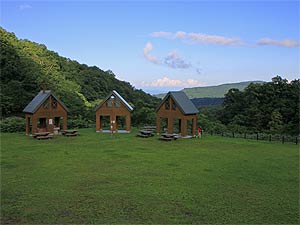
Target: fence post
x,y
296,140
257,136
211,132
282,139
270,137
245,135
233,134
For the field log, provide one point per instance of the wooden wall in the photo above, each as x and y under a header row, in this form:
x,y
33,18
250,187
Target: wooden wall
x,y
113,112
46,110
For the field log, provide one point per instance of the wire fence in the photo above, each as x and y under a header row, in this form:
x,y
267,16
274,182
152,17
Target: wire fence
x,y
259,136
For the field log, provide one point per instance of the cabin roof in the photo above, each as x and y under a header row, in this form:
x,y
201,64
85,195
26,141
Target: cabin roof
x,y
119,97
39,99
183,102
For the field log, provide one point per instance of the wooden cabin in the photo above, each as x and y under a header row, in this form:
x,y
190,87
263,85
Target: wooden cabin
x,y
176,109
112,109
45,113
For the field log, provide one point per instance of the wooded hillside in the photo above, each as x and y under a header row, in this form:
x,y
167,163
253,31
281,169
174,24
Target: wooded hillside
x,y
25,65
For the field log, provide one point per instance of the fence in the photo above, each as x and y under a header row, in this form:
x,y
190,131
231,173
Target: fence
x,y
258,136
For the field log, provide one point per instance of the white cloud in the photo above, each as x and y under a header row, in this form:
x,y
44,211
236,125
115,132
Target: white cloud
x,y
199,38
180,35
24,7
161,34
147,49
174,61
283,43
167,82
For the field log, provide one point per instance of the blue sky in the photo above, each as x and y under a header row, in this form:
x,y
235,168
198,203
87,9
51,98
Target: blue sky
x,y
167,45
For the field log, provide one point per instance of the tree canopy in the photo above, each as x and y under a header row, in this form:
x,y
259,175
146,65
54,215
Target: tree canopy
x,y
271,106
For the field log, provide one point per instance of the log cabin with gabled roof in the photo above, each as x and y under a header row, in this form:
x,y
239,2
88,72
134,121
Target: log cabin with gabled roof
x,y
45,113
113,106
177,105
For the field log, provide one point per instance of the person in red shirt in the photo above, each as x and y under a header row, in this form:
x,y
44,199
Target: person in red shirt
x,y
199,132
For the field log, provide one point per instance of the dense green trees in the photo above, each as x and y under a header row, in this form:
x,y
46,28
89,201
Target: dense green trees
x,y
268,107
25,65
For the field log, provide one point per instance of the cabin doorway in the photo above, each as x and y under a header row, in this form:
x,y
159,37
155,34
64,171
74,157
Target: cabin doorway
x,y
177,126
163,125
104,122
42,125
190,127
121,122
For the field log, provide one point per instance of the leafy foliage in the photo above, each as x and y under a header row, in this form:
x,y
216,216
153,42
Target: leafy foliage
x,y
12,124
268,107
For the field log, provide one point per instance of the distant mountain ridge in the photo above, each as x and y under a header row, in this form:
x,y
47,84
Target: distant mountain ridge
x,y
217,91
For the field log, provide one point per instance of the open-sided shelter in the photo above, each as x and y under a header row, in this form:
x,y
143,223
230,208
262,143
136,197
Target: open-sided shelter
x,y
177,106
113,106
45,113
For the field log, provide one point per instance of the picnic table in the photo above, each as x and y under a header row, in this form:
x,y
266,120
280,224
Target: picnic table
x,y
145,133
70,133
42,135
168,137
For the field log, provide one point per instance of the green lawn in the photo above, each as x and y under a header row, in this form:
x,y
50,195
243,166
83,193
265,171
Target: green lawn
x,y
97,179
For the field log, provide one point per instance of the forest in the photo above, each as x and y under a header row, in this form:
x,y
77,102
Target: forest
x,y
271,107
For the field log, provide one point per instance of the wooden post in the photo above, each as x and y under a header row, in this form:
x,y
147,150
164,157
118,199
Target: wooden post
x,y
34,125
65,125
194,125
98,122
128,121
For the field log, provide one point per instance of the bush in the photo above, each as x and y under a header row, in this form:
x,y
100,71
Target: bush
x,y
12,124
79,122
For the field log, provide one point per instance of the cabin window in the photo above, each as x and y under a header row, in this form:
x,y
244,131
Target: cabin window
x,y
109,103
54,103
46,105
167,104
174,105
118,104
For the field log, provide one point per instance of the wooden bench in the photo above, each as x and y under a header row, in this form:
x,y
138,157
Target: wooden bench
x,y
44,137
71,134
165,139
143,135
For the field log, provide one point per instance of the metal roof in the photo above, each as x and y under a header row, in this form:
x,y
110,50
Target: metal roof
x,y
119,97
183,102
38,100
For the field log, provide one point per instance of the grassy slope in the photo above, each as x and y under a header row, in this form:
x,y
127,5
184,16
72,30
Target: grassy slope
x,y
213,91
97,179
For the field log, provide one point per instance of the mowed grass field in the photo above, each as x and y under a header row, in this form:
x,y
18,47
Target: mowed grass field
x,y
94,178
